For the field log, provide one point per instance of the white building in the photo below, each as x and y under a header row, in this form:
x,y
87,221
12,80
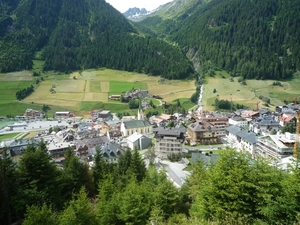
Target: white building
x,y
169,141
140,126
138,141
238,121
275,146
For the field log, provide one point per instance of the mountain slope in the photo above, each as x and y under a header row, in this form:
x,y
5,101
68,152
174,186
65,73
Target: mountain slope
x,y
135,13
252,38
83,34
166,17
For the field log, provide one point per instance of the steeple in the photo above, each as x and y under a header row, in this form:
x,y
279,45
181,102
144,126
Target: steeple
x,y
140,110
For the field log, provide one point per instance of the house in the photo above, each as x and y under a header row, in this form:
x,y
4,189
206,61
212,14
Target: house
x,y
138,141
81,151
31,113
18,146
169,141
140,126
285,119
264,125
101,115
114,135
91,142
242,140
207,130
110,151
135,93
114,97
58,149
238,121
275,146
63,115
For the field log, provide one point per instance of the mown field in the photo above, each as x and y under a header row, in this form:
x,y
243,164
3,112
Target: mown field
x,y
81,92
8,136
87,90
248,94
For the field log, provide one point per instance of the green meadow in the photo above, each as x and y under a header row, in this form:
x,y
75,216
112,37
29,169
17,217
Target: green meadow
x,y
248,94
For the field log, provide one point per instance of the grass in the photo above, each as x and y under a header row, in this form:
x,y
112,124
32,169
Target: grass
x,y
88,106
248,94
8,136
154,101
8,90
38,65
118,87
185,103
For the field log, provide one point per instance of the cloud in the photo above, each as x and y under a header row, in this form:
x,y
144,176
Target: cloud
x,y
123,5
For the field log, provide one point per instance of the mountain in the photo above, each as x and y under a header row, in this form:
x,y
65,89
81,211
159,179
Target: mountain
x,y
253,38
73,35
166,18
135,14
250,38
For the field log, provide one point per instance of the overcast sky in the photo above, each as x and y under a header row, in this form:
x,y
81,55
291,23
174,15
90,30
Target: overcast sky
x,y
124,5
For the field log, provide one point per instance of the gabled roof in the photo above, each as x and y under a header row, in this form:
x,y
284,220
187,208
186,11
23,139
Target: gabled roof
x,y
136,124
233,129
248,136
134,137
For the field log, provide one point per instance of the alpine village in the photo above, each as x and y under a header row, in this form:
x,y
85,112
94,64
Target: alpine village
x,y
185,115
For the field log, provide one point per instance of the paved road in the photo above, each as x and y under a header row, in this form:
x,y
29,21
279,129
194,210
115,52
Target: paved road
x,y
175,172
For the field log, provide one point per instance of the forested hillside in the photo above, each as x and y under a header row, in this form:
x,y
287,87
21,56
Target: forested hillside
x,y
236,190
81,34
252,38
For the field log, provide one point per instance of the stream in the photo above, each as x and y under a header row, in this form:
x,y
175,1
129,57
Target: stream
x,y
200,106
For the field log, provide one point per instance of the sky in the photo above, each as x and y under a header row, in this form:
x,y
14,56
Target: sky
x,y
124,5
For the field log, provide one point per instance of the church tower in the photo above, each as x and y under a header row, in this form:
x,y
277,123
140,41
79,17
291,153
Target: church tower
x,y
140,111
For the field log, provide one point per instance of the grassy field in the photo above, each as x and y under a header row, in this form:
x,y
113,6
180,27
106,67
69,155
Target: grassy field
x,y
87,90
7,136
117,87
185,103
83,91
248,94
9,89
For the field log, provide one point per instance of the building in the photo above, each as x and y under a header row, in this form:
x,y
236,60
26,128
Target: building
x,y
169,141
63,115
57,150
114,135
287,119
275,146
264,125
110,152
207,130
31,113
140,126
238,121
138,141
240,139
101,115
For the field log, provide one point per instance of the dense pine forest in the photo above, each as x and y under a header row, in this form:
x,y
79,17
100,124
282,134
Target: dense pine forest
x,y
252,38
255,39
81,34
234,190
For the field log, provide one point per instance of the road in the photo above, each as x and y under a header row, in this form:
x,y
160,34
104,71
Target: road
x,y
174,171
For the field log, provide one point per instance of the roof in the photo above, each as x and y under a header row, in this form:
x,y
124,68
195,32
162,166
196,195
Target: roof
x,y
175,132
62,112
238,118
202,126
136,124
248,136
134,137
205,157
233,129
